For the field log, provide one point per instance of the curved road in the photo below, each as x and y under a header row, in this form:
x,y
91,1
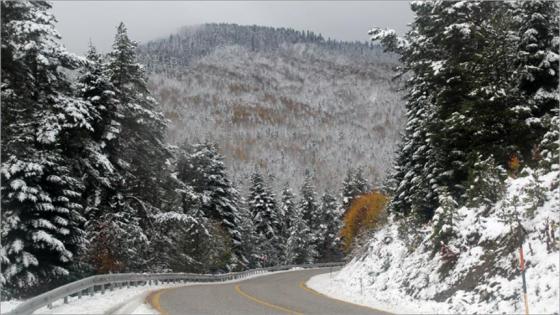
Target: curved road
x,y
280,293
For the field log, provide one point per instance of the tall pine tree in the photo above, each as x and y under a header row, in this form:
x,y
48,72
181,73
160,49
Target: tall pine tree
x,y
42,220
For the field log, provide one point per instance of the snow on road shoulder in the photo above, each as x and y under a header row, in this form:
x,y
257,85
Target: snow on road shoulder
x,y
333,287
394,276
6,306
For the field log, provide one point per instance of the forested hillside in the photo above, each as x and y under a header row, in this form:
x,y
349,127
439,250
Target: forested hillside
x,y
281,99
475,186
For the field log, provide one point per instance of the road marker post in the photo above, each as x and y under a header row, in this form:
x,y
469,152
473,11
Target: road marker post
x,y
361,287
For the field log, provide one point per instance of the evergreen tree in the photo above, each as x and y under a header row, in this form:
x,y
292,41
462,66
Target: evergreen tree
x,y
287,212
203,169
444,225
140,148
310,210
42,221
329,247
299,246
462,99
537,68
354,185
134,136
249,238
486,182
550,145
262,206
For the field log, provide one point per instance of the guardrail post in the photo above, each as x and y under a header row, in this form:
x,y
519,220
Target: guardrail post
x,y
49,306
80,294
65,300
103,288
92,290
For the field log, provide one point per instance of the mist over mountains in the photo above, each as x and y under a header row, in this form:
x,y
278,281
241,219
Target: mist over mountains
x,y
282,100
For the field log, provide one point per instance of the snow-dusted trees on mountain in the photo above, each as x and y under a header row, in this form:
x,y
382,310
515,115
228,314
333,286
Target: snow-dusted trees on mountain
x,y
42,220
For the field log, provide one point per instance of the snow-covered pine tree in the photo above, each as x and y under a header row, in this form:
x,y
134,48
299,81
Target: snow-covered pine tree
x,y
309,207
249,237
460,57
537,64
135,139
412,183
444,221
287,209
42,222
262,205
486,182
354,185
94,157
299,246
348,192
550,145
329,248
99,174
359,182
140,149
203,169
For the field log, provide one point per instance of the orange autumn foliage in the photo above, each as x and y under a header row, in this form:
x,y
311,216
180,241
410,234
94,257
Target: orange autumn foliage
x,y
363,215
513,165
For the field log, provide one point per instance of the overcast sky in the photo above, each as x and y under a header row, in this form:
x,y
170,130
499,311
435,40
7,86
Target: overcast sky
x,y
80,21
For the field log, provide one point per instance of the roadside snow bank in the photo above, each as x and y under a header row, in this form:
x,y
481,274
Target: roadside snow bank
x,y
6,306
400,273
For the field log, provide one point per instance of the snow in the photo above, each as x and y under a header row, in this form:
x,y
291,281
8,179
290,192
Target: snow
x,y
403,276
6,306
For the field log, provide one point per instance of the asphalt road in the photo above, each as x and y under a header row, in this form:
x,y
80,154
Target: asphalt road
x,y
280,293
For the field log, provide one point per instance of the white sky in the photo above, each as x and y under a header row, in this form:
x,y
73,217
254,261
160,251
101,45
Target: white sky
x,y
80,21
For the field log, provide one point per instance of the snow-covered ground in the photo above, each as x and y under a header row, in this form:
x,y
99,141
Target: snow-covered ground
x,y
405,277
119,301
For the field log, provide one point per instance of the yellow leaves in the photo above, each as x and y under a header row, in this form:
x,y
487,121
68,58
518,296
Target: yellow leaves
x,y
513,165
363,215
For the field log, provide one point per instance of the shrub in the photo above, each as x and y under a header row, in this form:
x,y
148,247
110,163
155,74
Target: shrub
x,y
364,214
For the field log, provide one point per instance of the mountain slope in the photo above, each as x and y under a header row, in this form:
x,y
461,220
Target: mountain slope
x,y
278,99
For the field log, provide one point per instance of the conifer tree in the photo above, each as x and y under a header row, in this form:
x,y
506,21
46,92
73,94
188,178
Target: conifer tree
x,y
329,246
300,248
264,212
287,212
486,182
354,185
203,169
444,223
140,148
136,149
42,221
537,68
309,207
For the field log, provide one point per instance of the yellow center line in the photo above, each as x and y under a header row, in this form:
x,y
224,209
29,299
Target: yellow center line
x,y
305,287
153,299
254,299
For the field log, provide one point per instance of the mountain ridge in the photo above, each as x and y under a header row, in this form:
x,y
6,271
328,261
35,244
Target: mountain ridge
x,y
279,103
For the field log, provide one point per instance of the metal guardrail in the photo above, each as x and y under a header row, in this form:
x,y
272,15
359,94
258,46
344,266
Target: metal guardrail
x,y
101,283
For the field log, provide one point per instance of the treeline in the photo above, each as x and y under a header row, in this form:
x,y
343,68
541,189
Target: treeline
x,y
89,185
190,43
482,102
